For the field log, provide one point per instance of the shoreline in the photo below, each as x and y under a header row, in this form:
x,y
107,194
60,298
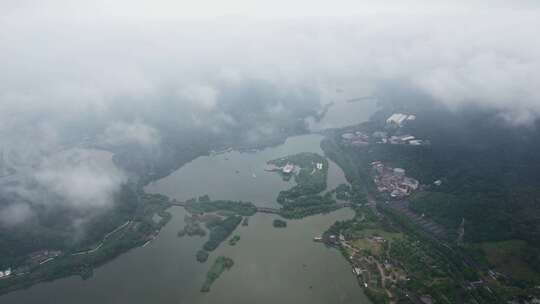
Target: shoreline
x,y
19,284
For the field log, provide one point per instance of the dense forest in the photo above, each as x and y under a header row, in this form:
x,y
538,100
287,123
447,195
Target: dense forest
x,y
488,173
55,232
489,168
204,204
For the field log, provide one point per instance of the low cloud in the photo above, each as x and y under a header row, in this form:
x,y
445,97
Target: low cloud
x,y
137,133
82,182
200,97
72,71
459,54
82,179
15,214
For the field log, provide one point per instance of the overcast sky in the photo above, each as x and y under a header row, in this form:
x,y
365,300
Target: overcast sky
x,y
63,55
173,9
64,62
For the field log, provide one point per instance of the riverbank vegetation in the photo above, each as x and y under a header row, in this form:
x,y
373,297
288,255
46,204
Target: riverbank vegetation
x,y
309,205
221,264
202,256
135,232
355,166
305,198
234,240
277,223
343,192
310,175
206,205
192,228
220,230
221,218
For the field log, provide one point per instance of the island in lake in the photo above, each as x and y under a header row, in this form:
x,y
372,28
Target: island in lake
x,y
220,265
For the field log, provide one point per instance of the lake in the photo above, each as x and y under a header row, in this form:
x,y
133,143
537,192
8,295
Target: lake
x,y
241,175
271,265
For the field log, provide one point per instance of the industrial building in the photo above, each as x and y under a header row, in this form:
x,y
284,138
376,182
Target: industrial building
x,y
393,180
398,119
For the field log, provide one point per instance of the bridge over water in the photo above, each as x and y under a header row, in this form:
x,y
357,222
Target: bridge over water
x,y
265,209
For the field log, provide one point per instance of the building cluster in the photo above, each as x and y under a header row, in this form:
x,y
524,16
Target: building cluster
x,y
369,270
291,168
392,134
365,269
356,139
398,120
287,169
407,139
330,239
393,180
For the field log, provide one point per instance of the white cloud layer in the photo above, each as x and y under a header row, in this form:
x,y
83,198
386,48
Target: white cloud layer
x,y
117,67
65,58
77,180
15,214
122,133
84,179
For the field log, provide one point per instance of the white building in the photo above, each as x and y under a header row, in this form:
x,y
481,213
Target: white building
x,y
347,136
396,193
399,171
396,118
5,273
411,183
399,118
407,137
288,168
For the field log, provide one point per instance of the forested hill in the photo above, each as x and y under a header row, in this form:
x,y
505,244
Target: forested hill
x,y
490,171
273,116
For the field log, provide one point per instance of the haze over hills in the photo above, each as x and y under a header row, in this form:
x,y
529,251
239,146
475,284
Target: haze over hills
x,y
98,100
